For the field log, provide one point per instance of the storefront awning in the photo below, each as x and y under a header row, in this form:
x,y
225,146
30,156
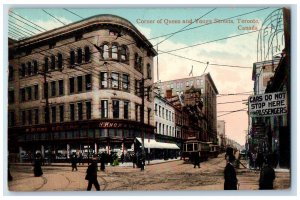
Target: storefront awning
x,y
153,144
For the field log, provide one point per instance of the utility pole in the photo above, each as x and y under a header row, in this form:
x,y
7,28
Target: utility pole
x,y
47,119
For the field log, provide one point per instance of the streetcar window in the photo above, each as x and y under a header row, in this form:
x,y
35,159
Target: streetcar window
x,y
195,147
189,147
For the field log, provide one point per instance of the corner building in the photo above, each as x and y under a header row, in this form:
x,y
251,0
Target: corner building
x,y
90,75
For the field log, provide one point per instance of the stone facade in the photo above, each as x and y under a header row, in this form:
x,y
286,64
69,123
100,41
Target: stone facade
x,y
93,69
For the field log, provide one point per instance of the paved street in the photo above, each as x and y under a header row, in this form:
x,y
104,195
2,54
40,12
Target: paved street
x,y
173,175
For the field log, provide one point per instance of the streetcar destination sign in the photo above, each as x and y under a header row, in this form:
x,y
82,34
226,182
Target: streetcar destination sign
x,y
269,104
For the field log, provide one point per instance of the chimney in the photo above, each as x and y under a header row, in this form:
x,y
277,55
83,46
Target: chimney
x,y
169,94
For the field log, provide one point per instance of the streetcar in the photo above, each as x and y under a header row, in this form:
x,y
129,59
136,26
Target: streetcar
x,y
214,150
192,146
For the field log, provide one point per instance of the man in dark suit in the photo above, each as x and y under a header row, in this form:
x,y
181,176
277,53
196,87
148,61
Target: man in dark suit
x,y
230,175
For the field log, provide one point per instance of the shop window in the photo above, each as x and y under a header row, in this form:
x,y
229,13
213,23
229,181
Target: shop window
x,y
83,133
61,87
11,96
53,114
116,109
29,69
79,56
125,82
36,116
115,80
88,82
53,88
87,54
126,110
79,84
119,133
61,113
72,85
103,79
46,64
79,106
72,58
104,108
103,132
111,132
88,110
52,62
72,112
36,92
59,61
91,133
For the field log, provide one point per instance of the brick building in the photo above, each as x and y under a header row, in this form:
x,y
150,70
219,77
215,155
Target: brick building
x,y
88,74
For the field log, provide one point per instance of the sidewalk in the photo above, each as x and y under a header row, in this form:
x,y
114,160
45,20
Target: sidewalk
x,y
125,164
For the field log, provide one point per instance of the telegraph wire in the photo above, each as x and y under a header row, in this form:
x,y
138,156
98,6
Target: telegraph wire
x,y
24,22
228,102
20,27
231,112
53,16
73,13
190,45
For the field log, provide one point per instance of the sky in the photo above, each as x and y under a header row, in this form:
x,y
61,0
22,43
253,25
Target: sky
x,y
157,21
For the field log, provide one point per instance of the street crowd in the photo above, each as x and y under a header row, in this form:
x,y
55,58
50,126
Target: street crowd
x,y
265,163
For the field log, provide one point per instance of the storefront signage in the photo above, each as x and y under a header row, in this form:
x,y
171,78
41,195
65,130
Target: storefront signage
x,y
115,125
269,104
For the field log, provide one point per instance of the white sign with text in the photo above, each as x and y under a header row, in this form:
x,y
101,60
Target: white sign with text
x,y
269,104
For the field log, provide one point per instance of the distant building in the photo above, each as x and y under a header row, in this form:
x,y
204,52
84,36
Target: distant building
x,y
208,91
221,133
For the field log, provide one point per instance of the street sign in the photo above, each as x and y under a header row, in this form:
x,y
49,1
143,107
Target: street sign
x,y
269,104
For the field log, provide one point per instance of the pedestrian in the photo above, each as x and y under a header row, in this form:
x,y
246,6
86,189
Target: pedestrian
x,y
231,181
102,161
74,162
37,165
91,176
267,175
133,160
196,160
259,159
9,176
80,159
122,158
254,156
275,158
142,162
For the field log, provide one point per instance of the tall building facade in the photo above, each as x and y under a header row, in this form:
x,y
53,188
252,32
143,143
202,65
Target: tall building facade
x,y
208,97
79,88
221,133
